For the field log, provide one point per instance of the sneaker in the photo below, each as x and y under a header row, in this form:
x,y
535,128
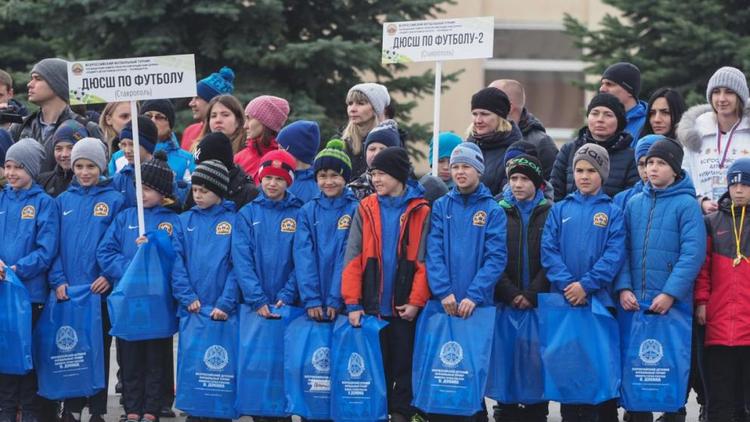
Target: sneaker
x,y
68,417
132,418
166,412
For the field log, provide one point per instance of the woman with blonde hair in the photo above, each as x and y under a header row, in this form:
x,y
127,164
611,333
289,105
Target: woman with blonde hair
x,y
365,107
114,117
224,114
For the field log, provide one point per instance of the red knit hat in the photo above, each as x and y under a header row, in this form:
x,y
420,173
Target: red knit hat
x,y
277,163
270,111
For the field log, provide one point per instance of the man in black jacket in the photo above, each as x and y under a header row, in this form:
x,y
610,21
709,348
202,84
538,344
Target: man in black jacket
x,y
48,88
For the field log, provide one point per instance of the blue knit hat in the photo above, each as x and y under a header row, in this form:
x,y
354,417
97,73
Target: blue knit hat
x,y
468,153
216,84
641,148
385,133
69,131
5,142
519,148
301,139
448,141
739,172
148,134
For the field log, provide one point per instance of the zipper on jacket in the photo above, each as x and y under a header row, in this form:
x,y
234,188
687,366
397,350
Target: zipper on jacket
x,y
645,246
520,249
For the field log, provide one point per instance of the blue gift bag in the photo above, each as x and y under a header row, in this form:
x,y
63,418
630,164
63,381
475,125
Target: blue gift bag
x,y
207,365
15,326
580,351
655,358
141,306
516,372
358,391
307,368
260,374
451,360
68,345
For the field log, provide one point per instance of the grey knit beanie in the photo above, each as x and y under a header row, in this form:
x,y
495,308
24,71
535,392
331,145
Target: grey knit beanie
x,y
729,77
468,153
55,73
91,149
595,155
377,95
29,154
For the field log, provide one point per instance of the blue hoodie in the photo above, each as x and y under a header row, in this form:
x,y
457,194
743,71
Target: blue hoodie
x,y
262,250
118,247
636,118
305,187
86,214
584,240
319,246
30,226
203,270
666,244
466,247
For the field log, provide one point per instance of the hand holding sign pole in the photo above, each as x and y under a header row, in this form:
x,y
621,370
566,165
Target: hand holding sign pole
x,y
438,40
132,79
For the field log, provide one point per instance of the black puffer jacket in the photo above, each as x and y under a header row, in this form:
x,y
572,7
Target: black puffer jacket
x,y
534,132
493,146
56,181
623,170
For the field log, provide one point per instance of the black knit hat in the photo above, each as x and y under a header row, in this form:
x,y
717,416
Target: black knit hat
x,y
215,146
527,165
213,175
148,135
668,150
156,174
491,99
393,161
164,107
625,74
612,103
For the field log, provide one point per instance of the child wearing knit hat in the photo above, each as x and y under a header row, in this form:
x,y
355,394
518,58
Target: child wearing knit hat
x,y
385,277
448,141
641,150
88,206
56,181
583,249
29,227
203,278
301,139
144,362
384,135
323,230
124,180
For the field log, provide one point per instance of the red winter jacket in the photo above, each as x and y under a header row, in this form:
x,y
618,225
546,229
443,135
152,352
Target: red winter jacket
x,y
249,159
723,288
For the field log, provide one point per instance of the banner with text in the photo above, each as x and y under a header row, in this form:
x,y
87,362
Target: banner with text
x,y
433,40
132,79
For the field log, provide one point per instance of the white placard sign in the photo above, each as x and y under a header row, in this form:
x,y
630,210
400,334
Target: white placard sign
x,y
133,79
437,40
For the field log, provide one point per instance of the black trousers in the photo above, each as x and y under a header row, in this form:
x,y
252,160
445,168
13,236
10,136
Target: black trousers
x,y
397,346
521,413
19,391
143,375
579,412
167,398
728,368
98,402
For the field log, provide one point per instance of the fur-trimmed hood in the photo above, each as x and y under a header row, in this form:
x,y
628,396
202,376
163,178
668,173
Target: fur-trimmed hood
x,y
700,121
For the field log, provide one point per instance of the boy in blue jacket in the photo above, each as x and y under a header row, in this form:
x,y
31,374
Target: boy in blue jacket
x,y
124,180
641,150
87,207
143,362
262,242
320,241
29,224
583,249
301,139
666,243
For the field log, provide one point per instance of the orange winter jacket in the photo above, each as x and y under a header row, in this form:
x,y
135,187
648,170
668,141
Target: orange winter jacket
x,y
362,278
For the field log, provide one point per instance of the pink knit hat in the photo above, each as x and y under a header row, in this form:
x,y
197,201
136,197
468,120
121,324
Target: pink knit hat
x,y
271,111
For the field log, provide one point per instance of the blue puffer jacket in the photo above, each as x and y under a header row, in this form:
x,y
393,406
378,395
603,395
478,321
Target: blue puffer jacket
x,y
180,161
30,226
262,250
203,270
636,118
305,187
118,246
622,198
86,214
319,247
466,247
584,240
666,243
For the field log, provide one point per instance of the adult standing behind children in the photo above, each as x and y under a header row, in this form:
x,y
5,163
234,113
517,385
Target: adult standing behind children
x,y
57,180
623,80
365,108
218,83
264,117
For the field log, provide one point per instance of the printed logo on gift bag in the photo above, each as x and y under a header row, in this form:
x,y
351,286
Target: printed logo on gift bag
x,y
356,365
216,358
321,359
451,354
66,338
651,351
